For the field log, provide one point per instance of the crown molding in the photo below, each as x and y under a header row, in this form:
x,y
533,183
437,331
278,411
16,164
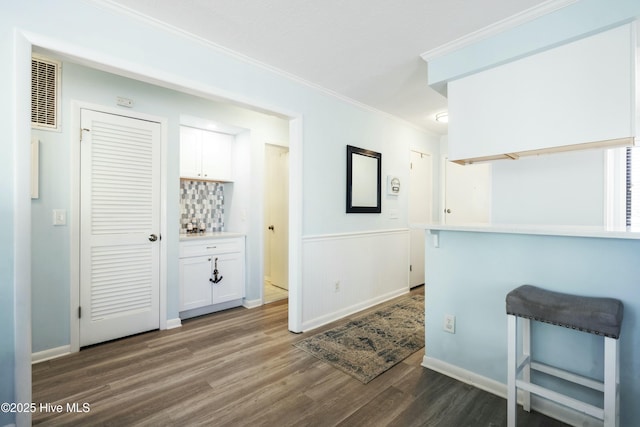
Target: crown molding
x,y
498,27
120,9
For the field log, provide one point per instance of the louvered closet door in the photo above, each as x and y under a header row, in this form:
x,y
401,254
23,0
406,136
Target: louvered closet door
x,y
120,211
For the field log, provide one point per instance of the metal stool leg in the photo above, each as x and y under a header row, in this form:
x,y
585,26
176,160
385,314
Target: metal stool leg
x,y
512,394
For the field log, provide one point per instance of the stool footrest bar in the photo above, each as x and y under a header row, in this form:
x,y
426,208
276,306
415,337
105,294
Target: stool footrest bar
x,y
568,376
562,399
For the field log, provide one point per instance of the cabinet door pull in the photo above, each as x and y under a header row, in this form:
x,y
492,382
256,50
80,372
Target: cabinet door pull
x,y
211,247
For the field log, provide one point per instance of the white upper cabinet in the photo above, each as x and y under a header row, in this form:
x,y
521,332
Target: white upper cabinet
x,y
578,93
205,155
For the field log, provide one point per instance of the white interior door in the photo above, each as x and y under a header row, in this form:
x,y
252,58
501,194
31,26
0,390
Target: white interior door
x,y
467,193
120,215
420,211
277,215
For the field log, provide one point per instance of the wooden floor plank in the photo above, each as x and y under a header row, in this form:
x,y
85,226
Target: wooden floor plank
x,y
239,367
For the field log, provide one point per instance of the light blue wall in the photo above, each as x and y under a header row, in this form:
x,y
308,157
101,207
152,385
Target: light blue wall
x,y
329,125
578,20
564,188
470,274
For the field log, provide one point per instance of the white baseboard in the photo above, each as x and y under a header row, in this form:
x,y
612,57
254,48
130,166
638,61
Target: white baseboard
x,y
323,320
174,323
49,354
538,404
253,303
471,378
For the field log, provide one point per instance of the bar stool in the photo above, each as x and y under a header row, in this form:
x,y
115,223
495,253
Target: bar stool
x,y
600,316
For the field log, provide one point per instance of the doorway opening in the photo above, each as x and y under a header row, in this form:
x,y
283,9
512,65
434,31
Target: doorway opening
x,y
276,218
467,193
24,46
420,212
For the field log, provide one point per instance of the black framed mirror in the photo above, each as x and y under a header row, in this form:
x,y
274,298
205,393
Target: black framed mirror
x,y
364,180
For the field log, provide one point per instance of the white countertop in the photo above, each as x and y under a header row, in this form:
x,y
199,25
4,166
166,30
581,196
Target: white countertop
x,y
546,230
209,235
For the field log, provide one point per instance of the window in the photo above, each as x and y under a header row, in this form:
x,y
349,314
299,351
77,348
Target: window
x,y
623,188
632,181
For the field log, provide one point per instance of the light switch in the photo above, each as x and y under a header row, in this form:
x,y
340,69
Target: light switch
x,y
59,217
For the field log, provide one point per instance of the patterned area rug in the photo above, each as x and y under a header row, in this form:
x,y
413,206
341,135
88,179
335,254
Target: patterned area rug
x,y
369,345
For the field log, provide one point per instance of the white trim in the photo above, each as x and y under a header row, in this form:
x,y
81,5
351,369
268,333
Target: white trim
x,y
496,28
295,223
350,235
21,132
468,377
543,406
331,317
174,323
51,353
74,250
253,303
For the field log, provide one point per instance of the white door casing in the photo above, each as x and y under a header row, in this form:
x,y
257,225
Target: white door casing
x,y
467,193
119,215
276,214
420,211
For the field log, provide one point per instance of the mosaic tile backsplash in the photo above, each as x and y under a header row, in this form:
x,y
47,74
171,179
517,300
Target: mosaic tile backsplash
x,y
202,202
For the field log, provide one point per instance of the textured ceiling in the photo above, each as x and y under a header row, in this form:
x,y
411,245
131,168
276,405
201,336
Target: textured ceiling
x,y
366,50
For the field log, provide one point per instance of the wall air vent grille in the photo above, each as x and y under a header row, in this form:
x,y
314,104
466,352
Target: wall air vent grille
x,y
45,93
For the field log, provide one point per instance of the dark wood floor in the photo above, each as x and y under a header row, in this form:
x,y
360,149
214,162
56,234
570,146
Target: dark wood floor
x,y
238,368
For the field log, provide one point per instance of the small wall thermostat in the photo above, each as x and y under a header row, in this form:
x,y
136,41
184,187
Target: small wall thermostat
x,y
393,185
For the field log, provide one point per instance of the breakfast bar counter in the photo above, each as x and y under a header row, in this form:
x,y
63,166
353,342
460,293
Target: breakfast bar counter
x,y
469,270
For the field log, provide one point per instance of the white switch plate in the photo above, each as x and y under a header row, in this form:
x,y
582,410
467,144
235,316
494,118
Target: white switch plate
x,y
59,217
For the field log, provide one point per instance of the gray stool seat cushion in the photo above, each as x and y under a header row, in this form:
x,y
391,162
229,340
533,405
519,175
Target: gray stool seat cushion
x,y
600,316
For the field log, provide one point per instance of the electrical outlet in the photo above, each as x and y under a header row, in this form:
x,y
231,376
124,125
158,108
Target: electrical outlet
x,y
449,323
337,286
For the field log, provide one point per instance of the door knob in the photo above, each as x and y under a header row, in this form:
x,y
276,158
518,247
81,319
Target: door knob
x,y
153,238
448,211
272,228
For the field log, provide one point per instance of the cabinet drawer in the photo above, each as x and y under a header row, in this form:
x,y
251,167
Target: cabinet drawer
x,y
211,247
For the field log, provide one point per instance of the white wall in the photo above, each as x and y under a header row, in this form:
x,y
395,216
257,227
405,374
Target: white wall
x,y
556,189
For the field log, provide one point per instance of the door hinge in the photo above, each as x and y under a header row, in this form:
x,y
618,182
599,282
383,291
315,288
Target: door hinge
x,y
410,267
82,130
79,312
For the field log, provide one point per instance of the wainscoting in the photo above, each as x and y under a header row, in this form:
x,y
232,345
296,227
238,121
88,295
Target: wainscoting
x,y
345,273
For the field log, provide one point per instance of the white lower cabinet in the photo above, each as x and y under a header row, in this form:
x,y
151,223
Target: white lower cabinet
x,y
211,274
